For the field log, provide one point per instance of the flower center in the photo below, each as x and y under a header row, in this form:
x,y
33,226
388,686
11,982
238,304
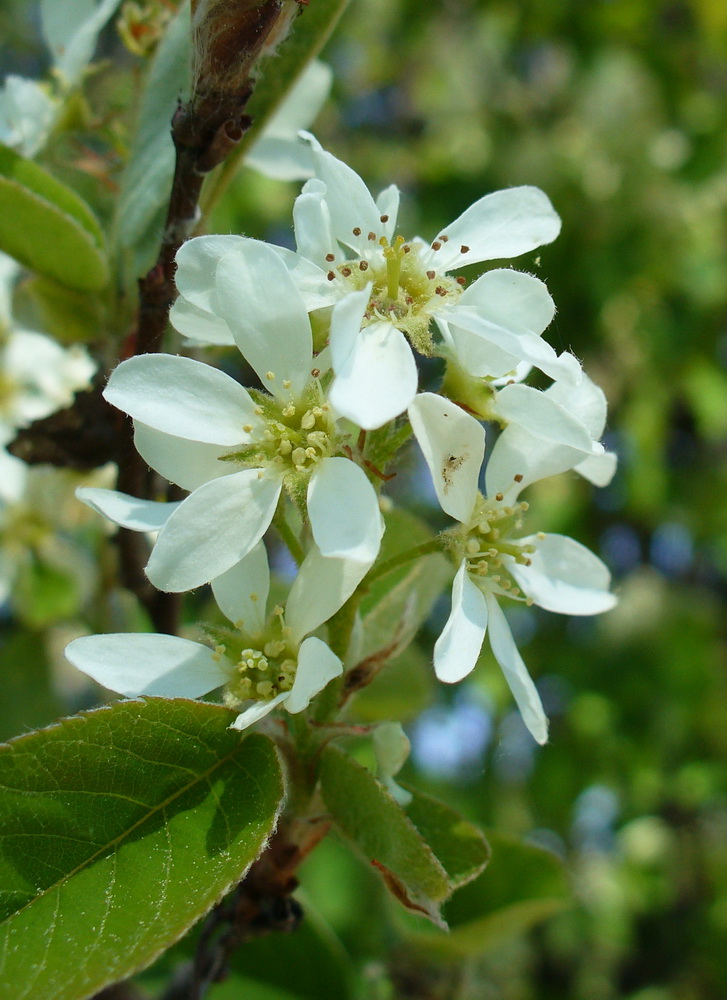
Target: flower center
x,y
405,293
264,664
290,437
487,545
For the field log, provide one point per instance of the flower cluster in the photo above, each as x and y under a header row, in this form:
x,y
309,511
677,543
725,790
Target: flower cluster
x,y
333,332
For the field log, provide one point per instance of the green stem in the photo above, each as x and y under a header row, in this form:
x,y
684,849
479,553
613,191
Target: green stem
x,y
402,558
288,536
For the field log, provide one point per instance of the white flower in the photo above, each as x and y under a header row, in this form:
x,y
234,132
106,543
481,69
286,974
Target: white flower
x,y
266,661
346,243
235,450
280,153
37,376
494,560
27,114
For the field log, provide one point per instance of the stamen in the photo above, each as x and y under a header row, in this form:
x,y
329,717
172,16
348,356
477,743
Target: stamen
x,y
384,218
330,257
356,231
464,249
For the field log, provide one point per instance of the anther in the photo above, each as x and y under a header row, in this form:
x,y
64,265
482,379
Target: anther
x,y
499,497
431,275
436,245
464,249
356,231
372,236
363,266
461,281
330,257
406,248
518,478
287,383
270,376
346,272
330,275
384,218
444,239
315,372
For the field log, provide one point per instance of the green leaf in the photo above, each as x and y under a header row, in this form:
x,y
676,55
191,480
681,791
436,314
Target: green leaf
x,y
398,602
522,886
47,227
27,698
119,828
68,315
44,594
147,180
459,845
368,815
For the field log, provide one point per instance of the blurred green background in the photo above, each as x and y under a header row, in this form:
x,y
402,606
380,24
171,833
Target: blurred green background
x,y
618,110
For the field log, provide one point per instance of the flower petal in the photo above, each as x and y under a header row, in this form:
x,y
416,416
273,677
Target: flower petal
x,y
258,710
518,454
516,673
147,664
317,665
199,325
321,587
127,511
261,304
197,261
502,224
598,469
242,592
189,464
182,397
458,647
541,415
510,299
314,237
349,200
564,576
344,511
214,528
387,205
453,445
378,379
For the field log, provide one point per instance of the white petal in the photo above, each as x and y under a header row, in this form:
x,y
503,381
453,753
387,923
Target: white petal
x,y
281,157
258,710
317,665
518,345
516,673
349,200
197,261
344,511
503,224
314,237
585,401
453,445
564,576
387,204
517,453
346,321
182,397
199,325
511,299
458,647
261,304
303,101
242,592
321,587
378,379
214,528
127,511
598,469
146,664
310,280
189,464
541,415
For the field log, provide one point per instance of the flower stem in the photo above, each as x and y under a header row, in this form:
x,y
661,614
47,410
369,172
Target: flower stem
x,y
402,558
288,536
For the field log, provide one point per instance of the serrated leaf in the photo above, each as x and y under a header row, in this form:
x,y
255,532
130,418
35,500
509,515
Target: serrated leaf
x,y
47,227
460,846
368,815
397,603
119,828
522,886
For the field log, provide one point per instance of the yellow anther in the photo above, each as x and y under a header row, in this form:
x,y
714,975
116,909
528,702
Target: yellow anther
x,y
270,376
